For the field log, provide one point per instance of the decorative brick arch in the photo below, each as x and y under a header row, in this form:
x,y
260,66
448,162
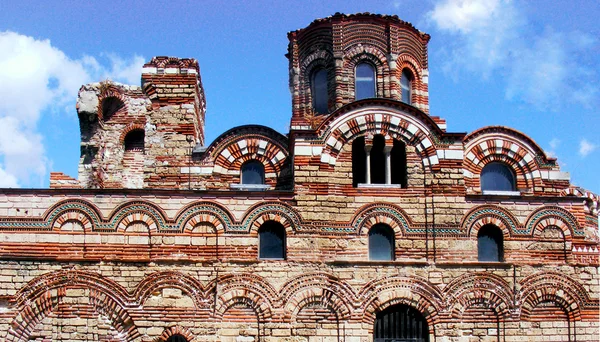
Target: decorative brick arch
x,y
175,330
478,288
553,216
386,213
134,126
380,294
40,297
143,211
209,212
250,290
490,214
61,211
74,215
317,59
271,211
315,287
567,293
506,145
341,130
107,93
172,279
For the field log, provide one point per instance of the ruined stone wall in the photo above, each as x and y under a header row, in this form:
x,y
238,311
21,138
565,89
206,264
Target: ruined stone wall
x,y
98,265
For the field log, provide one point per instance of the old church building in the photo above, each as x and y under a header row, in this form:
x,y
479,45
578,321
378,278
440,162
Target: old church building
x,y
367,221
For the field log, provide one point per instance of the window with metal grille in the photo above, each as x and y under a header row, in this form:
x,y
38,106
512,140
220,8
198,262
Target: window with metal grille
x,y
400,323
134,140
271,241
381,242
490,244
177,338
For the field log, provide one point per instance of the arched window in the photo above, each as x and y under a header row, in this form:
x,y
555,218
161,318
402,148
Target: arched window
x,y
377,160
406,84
177,338
400,323
319,90
110,106
364,81
381,242
490,244
134,140
253,172
271,241
497,176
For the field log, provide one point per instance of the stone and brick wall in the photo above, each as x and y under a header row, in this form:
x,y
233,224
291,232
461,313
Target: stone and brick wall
x,y
163,240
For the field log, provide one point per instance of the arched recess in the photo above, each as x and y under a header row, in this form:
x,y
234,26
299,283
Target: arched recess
x,y
490,214
279,212
380,116
246,288
210,212
567,293
172,279
41,296
318,309
79,216
508,146
413,291
110,103
546,216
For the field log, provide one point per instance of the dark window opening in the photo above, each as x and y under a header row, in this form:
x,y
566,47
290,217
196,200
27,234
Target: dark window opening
x,y
177,338
110,106
359,158
253,172
134,140
319,91
364,82
271,241
406,85
378,160
381,242
400,323
497,176
399,167
490,244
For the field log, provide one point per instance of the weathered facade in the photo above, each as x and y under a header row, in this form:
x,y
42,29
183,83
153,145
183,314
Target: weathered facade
x,y
368,221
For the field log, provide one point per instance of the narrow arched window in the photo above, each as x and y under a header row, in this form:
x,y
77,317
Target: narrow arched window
x,y
378,160
177,338
497,176
359,165
406,81
271,241
490,244
381,242
110,106
364,81
399,166
253,172
134,140
319,91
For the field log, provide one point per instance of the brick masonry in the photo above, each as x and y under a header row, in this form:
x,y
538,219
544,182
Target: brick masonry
x,y
159,241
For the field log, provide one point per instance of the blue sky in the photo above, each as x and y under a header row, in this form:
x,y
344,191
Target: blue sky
x,y
530,65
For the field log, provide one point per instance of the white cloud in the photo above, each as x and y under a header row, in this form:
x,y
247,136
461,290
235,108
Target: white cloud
x,y
554,143
586,147
493,36
34,77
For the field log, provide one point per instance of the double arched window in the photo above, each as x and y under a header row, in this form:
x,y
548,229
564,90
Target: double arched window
x,y
319,90
253,172
490,244
381,243
497,176
271,241
364,81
